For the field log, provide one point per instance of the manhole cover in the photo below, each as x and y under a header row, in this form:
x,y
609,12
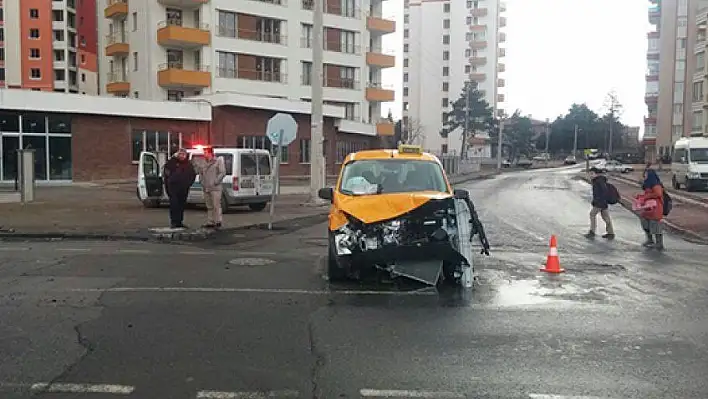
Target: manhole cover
x,y
251,261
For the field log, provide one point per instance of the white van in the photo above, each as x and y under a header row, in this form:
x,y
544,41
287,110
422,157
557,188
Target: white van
x,y
248,181
689,165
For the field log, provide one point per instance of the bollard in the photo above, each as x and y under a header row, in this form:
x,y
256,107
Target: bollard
x,y
25,173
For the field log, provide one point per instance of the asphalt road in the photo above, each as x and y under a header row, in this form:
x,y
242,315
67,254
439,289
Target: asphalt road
x,y
118,320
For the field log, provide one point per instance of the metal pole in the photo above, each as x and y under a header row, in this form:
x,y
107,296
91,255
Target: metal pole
x,y
276,187
467,121
548,139
575,141
317,162
499,144
612,119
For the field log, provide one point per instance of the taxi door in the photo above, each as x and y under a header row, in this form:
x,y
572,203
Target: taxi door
x,y
150,182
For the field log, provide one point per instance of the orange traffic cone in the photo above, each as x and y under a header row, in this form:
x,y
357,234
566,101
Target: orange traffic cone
x,y
553,261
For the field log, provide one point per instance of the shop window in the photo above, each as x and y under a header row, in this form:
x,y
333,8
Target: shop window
x,y
39,145
305,151
9,122
59,123
34,123
10,145
60,158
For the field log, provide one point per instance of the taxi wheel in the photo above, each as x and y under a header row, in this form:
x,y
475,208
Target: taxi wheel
x,y
258,206
334,272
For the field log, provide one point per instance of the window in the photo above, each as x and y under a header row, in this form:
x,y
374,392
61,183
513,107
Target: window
x,y
446,7
35,73
34,53
405,48
34,13
263,143
446,55
697,121
405,76
155,141
227,64
467,69
679,156
135,21
304,150
446,39
135,60
406,18
468,53
59,55
34,33
405,62
405,33
445,102
445,86
446,71
58,15
414,176
59,75
469,20
227,24
348,42
699,155
697,91
405,91
446,24
175,95
700,62
678,91
345,148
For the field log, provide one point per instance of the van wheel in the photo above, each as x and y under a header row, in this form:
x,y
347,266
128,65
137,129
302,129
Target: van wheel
x,y
258,206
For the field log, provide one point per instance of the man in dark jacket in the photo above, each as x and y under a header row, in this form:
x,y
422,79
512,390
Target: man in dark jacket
x,y
179,176
600,194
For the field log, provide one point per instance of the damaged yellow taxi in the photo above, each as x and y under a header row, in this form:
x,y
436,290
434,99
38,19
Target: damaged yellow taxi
x,y
395,211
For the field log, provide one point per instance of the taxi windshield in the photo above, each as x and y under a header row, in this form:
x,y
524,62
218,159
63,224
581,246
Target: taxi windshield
x,y
381,176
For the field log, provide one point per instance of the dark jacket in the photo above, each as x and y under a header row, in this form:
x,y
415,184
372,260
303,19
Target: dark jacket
x,y
178,175
600,192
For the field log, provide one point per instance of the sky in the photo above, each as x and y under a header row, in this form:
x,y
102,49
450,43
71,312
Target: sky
x,y
560,52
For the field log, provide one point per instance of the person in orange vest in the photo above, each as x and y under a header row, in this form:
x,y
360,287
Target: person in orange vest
x,y
651,218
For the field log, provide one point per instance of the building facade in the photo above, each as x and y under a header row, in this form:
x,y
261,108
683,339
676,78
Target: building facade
x,y
445,44
166,50
49,45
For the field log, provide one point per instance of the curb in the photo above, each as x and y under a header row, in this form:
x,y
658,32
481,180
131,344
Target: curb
x,y
626,203
281,227
678,194
462,178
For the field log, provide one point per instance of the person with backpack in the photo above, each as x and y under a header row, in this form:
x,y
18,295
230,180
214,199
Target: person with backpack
x,y
603,194
652,216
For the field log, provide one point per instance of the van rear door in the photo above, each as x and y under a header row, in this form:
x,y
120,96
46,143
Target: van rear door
x,y
264,184
248,173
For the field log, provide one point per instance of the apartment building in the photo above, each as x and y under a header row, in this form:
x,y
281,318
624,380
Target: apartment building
x,y
445,44
171,49
49,45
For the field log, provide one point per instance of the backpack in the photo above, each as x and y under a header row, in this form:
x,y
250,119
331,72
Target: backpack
x,y
613,195
668,202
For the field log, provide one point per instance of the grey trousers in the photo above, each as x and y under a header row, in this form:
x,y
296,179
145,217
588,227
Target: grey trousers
x,y
605,215
652,226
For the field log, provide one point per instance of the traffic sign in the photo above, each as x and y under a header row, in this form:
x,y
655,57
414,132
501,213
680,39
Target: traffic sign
x,y
281,129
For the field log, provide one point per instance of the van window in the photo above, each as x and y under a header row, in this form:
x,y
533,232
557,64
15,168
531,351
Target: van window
x,y
678,153
248,164
228,161
264,164
699,155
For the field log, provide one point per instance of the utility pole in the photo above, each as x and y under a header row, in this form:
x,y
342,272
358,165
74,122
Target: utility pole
x,y
465,133
499,144
575,141
613,107
318,166
548,136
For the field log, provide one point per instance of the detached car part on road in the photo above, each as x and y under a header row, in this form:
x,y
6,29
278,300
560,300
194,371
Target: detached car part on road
x,y
395,211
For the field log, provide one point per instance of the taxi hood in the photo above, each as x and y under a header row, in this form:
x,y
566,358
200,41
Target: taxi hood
x,y
379,207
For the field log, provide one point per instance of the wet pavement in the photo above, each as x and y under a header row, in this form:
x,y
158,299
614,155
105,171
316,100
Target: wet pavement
x,y
259,320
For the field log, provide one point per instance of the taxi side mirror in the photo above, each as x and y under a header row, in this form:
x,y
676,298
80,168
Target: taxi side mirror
x,y
326,193
462,194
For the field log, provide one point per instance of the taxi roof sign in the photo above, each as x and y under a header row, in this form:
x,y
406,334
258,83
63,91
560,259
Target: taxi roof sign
x,y
410,149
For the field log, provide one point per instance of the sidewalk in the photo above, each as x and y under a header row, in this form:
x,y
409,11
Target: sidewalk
x,y
113,212
685,219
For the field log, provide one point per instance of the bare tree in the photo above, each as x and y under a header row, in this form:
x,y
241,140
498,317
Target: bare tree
x,y
614,110
411,131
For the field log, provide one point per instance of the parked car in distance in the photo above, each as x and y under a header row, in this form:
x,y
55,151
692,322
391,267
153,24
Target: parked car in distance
x,y
524,163
570,160
614,166
542,157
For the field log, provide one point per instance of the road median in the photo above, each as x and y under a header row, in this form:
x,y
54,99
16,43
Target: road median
x,y
688,218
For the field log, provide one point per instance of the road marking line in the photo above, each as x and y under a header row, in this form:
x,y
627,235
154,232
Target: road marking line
x,y
14,249
547,396
134,251
247,253
198,253
247,395
73,250
83,388
253,290
392,393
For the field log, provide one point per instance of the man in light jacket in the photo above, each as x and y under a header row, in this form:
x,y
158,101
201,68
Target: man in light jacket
x,y
211,172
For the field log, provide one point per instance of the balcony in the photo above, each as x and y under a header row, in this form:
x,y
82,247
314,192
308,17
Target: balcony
x,y
478,77
501,68
255,35
334,83
479,12
183,3
172,33
654,15
477,61
478,45
652,77
651,98
478,28
377,58
252,74
376,93
502,22
117,44
175,75
380,25
332,9
501,52
653,35
501,83
650,120
117,83
385,129
116,9
653,55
